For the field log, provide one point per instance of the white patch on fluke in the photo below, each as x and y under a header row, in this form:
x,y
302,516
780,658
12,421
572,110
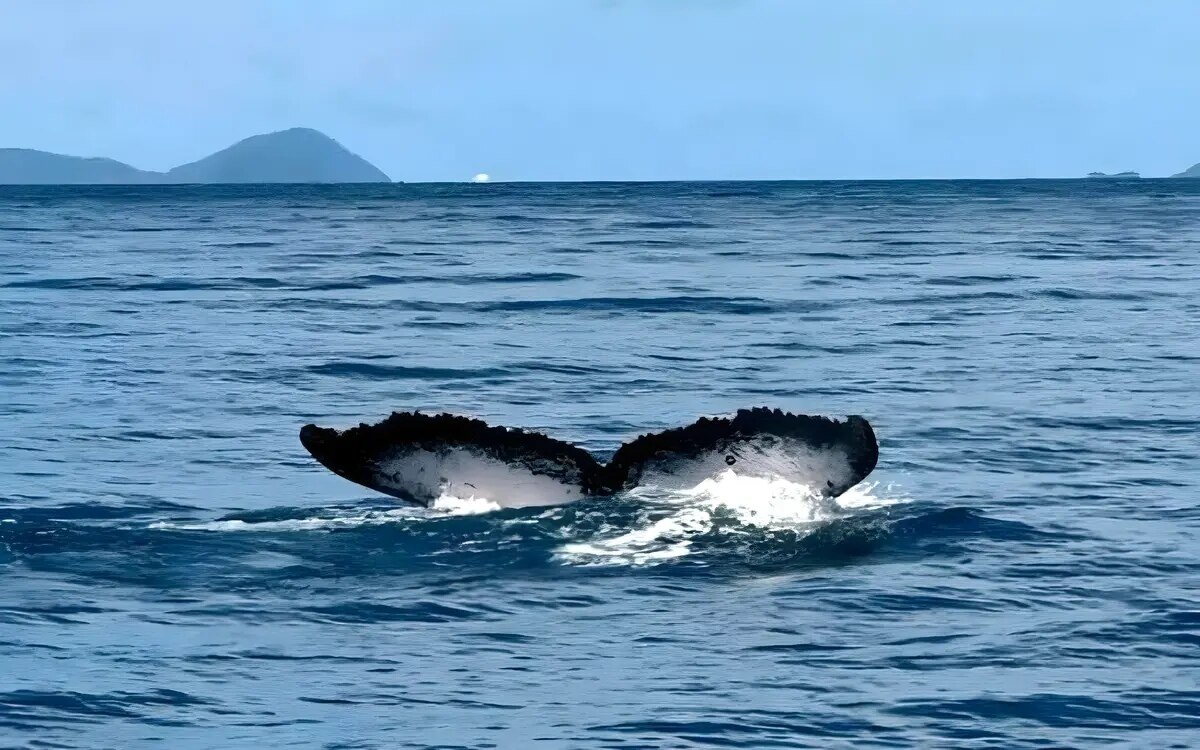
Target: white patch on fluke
x,y
765,457
464,474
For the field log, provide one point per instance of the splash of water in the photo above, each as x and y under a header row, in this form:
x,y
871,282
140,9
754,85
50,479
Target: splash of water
x,y
727,504
463,506
667,524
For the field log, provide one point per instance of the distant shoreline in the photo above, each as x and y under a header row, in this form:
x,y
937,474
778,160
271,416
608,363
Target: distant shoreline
x,y
296,155
303,156
247,184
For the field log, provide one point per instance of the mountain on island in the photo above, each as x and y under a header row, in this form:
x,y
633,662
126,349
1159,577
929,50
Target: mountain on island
x,y
296,155
25,166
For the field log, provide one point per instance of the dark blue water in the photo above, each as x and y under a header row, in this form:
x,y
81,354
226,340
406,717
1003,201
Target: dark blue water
x,y
1022,570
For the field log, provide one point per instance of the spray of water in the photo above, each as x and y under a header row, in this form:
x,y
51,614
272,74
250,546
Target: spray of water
x,y
725,505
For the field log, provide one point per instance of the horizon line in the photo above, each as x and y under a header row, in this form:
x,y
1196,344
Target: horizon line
x,y
483,185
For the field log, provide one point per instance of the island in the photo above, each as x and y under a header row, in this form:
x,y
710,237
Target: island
x,y
1192,171
25,166
1114,176
296,155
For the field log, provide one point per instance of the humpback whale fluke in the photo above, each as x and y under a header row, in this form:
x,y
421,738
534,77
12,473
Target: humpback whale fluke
x,y
420,457
832,456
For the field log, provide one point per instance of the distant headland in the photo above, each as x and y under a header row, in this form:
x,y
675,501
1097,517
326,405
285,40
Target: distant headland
x,y
1193,171
295,155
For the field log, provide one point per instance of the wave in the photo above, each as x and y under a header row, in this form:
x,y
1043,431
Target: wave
x,y
145,283
367,371
669,224
671,304
390,372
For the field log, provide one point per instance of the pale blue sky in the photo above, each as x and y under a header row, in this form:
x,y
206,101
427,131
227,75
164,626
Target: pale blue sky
x,y
619,89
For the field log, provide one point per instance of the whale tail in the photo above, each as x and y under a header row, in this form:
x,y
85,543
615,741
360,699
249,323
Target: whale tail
x,y
419,458
826,454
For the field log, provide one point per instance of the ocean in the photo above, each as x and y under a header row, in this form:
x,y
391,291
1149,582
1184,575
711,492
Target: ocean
x,y
1022,569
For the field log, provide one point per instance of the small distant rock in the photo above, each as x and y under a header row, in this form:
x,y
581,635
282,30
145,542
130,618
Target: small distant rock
x,y
1114,176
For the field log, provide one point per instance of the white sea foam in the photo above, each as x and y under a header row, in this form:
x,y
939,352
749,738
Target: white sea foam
x,y
446,505
315,523
727,504
667,526
463,506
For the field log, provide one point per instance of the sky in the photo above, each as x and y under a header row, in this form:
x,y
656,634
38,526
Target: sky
x,y
619,89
